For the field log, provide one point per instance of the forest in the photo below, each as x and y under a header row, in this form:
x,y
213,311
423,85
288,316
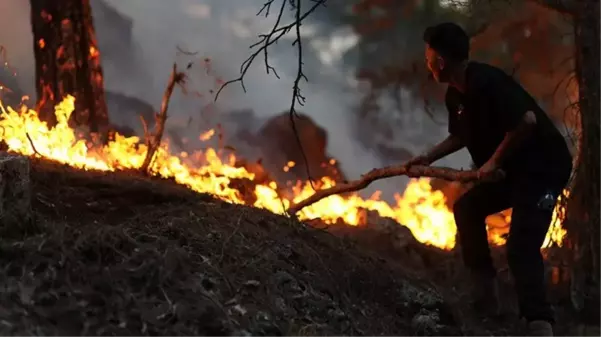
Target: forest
x,y
115,222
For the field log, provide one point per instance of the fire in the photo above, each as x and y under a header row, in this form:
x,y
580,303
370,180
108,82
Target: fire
x,y
420,208
94,52
206,135
288,166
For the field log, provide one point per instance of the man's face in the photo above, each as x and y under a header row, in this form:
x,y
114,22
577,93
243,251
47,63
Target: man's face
x,y
435,64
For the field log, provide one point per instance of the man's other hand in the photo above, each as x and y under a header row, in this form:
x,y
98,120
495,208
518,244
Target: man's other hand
x,y
490,171
421,160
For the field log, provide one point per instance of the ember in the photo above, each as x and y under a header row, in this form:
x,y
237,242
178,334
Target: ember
x,y
422,209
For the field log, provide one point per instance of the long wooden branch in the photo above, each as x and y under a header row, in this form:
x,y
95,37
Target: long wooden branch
x,y
392,171
154,141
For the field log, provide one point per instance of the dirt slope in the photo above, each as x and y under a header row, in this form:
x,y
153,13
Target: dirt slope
x,y
119,254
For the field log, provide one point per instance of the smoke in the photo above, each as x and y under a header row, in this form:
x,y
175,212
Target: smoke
x,y
16,38
221,31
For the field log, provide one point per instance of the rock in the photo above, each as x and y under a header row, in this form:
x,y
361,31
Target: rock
x,y
15,190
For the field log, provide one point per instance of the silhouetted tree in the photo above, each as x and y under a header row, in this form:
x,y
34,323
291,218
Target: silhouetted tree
x,y
68,62
583,205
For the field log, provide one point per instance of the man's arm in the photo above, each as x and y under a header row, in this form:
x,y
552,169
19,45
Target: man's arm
x,y
450,145
514,138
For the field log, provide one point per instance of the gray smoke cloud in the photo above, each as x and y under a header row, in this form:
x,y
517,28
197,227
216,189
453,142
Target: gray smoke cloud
x,y
221,31
16,38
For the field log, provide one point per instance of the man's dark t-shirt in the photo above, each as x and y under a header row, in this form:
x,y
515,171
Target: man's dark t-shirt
x,y
492,105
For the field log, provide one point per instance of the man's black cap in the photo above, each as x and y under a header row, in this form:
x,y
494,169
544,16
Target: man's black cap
x,y
448,39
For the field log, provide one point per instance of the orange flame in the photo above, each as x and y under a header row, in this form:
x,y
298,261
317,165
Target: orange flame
x,y
206,135
420,208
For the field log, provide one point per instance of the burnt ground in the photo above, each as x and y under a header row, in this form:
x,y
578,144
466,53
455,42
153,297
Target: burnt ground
x,y
119,254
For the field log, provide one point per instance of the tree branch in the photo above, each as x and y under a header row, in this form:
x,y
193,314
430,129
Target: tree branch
x,y
392,171
154,141
267,40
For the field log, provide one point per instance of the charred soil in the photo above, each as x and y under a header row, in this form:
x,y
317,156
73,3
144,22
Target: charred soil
x,y
121,254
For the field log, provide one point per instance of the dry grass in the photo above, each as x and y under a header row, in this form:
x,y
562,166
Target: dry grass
x,y
120,254
116,254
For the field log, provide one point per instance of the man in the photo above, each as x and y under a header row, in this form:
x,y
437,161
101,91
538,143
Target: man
x,y
504,129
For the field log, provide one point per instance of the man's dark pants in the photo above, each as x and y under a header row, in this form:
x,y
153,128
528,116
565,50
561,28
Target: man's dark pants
x,y
530,222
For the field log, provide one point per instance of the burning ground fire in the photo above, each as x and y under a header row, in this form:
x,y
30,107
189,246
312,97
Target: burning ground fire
x,y
420,208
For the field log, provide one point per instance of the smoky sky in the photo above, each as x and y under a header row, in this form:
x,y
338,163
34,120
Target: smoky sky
x,y
221,31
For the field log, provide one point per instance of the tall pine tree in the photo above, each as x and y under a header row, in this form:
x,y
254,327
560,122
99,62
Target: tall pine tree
x,y
68,62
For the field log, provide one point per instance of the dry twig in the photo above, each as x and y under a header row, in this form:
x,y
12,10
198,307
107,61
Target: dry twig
x,y
33,145
387,172
154,141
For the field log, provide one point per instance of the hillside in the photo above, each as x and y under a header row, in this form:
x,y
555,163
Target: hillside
x,y
112,252
120,254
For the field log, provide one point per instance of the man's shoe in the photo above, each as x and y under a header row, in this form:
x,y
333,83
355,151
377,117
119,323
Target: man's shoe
x,y
540,328
485,294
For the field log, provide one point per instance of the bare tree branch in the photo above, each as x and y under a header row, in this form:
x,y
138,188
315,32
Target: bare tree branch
x,y
154,141
392,171
267,40
297,97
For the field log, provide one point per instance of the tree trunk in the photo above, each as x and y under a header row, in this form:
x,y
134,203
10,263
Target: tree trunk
x,y
583,205
68,62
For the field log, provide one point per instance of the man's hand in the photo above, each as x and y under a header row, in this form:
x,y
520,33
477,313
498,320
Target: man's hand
x,y
490,171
